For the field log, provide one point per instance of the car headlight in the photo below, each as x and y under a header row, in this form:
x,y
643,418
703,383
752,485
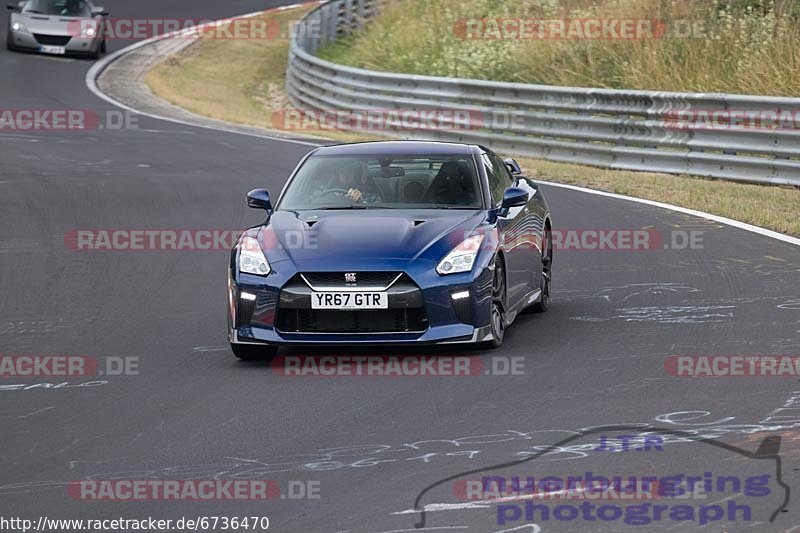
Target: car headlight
x,y
251,258
18,26
462,257
89,32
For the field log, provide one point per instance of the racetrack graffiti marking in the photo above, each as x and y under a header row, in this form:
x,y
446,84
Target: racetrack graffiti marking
x,y
789,413
686,314
524,444
626,292
38,327
50,386
210,348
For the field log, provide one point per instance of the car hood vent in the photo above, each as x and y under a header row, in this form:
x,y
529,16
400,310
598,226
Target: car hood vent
x,y
419,222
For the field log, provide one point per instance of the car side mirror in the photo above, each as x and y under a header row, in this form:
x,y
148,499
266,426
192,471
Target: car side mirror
x,y
259,199
513,166
12,7
514,197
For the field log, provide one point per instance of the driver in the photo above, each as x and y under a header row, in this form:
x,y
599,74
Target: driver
x,y
73,8
352,177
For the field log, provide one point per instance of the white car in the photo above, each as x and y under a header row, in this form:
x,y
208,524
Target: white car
x,y
57,27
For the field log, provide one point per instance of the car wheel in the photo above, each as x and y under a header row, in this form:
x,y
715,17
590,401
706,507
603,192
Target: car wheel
x,y
547,276
254,352
496,321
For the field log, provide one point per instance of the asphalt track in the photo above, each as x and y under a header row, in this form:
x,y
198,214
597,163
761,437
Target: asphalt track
x,y
373,444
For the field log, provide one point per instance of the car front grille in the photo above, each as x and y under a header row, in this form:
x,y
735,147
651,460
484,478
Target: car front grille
x,y
380,280
406,312
371,321
52,40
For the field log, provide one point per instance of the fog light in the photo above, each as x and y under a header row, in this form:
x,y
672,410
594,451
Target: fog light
x,y
247,296
460,295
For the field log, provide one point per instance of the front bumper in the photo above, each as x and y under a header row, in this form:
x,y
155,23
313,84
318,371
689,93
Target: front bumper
x,y
28,42
437,335
276,310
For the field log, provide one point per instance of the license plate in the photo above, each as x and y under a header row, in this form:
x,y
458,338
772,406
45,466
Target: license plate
x,y
55,50
349,300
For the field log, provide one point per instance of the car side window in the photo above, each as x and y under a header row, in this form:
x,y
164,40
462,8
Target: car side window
x,y
499,177
502,169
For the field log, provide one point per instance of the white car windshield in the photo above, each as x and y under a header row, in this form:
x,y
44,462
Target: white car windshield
x,y
62,8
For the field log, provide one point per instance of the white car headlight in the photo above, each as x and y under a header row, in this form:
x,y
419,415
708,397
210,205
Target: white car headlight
x,y
462,257
18,26
89,32
251,258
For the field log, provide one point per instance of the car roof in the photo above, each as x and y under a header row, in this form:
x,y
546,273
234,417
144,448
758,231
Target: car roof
x,y
396,147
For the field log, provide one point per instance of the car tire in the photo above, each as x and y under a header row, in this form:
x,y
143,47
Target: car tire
x,y
254,352
496,319
547,274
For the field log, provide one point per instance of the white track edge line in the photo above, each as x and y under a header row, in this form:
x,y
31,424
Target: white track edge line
x,y
693,212
100,65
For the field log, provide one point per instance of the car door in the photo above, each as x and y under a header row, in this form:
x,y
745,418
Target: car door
x,y
511,228
534,230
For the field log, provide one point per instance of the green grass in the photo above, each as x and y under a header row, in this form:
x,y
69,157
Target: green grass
x,y
737,46
776,208
238,80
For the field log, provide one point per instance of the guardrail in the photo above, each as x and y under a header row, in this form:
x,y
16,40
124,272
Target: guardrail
x,y
618,129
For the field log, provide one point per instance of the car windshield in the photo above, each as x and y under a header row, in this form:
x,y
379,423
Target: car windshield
x,y
384,182
63,8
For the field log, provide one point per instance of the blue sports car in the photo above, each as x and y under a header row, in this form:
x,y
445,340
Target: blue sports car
x,y
396,242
